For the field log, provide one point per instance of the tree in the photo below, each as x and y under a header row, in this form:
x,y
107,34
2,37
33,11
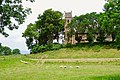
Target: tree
x,y
103,27
6,50
31,35
12,14
45,29
83,24
112,11
0,49
50,24
16,51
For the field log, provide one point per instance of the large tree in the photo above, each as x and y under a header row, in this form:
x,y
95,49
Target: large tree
x,y
45,29
83,24
12,14
31,35
112,11
50,23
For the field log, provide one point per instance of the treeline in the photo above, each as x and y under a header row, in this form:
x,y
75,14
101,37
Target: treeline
x,y
40,35
4,50
103,24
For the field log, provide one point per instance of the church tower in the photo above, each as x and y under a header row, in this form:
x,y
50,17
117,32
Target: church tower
x,y
68,18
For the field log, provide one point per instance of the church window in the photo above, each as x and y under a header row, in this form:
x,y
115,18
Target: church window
x,y
68,21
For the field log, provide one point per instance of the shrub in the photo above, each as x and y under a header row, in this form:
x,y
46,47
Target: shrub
x,y
56,46
43,48
6,50
69,45
0,49
16,51
37,48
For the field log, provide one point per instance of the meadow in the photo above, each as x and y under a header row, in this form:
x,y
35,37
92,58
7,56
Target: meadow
x,y
11,67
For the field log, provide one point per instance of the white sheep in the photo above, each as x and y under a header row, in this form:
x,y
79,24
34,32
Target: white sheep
x,y
61,66
71,66
77,66
24,62
65,66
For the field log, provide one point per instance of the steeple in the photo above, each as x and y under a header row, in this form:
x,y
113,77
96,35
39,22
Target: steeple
x,y
68,18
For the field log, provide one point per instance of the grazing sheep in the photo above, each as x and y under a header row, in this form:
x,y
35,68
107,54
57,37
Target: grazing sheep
x,y
77,66
24,62
65,66
71,67
61,66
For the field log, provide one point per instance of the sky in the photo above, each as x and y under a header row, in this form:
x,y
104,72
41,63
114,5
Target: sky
x,y
78,7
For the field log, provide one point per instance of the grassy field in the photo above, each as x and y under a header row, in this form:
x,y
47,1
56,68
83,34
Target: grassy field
x,y
11,67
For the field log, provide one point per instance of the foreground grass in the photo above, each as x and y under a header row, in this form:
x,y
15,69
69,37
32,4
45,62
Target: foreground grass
x,y
12,69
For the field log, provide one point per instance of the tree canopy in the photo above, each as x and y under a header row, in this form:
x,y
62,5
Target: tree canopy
x,y
45,29
5,50
12,14
106,23
83,24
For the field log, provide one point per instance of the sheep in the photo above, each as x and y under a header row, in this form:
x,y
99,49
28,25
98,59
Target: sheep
x,y
65,66
61,66
24,62
71,67
77,66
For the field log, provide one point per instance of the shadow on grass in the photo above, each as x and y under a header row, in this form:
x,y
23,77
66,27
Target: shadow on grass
x,y
117,77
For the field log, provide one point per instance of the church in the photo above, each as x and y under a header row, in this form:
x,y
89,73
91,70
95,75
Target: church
x,y
68,18
63,38
71,40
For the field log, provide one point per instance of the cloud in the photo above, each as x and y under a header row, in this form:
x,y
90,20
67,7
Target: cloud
x,y
15,39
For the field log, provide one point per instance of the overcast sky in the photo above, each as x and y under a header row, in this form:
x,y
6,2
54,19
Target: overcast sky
x,y
77,7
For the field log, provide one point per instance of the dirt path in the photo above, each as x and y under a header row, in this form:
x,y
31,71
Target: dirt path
x,y
80,60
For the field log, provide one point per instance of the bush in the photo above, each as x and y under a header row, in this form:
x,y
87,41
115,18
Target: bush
x,y
16,51
68,45
37,48
0,49
56,46
43,48
6,50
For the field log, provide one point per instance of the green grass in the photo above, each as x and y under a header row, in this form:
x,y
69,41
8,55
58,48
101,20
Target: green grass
x,y
82,50
77,52
12,69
